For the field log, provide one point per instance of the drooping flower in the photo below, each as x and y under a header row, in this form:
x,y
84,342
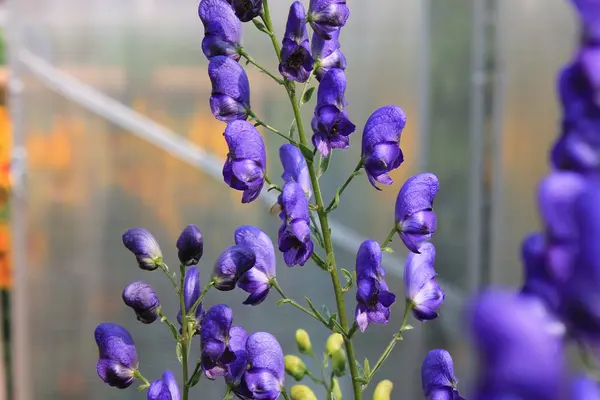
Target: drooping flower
x,y
327,54
190,245
165,388
294,167
230,96
520,347
246,10
216,354
144,247
257,280
372,294
294,234
143,299
117,360
237,345
222,30
233,262
191,294
422,290
415,218
327,16
330,122
381,151
437,376
296,58
585,388
246,161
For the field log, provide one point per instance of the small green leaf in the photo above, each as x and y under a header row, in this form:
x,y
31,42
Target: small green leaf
x,y
387,250
196,378
282,301
308,95
361,371
179,352
325,312
314,310
324,165
408,327
336,201
316,235
259,25
292,129
330,259
325,360
367,367
349,280
306,152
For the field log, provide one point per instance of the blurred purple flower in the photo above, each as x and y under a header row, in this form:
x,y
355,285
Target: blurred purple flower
x,y
381,151
143,299
327,54
422,290
296,58
294,234
585,388
538,281
246,161
257,280
246,10
295,168
437,376
117,359
233,262
216,353
222,29
164,389
415,218
190,245
372,294
145,248
589,14
230,96
191,293
327,16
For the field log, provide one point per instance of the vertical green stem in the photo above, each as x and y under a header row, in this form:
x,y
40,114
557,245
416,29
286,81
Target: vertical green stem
x,y
184,334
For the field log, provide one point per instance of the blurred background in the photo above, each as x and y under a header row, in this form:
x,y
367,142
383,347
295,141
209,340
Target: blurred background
x,y
105,125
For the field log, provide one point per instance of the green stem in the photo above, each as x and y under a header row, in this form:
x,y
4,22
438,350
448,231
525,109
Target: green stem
x,y
270,182
193,375
284,393
388,240
266,17
354,173
184,333
192,311
139,376
275,284
172,327
323,375
259,122
260,67
165,269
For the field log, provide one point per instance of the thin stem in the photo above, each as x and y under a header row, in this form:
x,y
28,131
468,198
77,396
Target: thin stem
x,y
259,122
165,269
139,376
266,17
184,333
388,240
193,375
323,375
172,327
275,284
260,67
358,167
284,393
192,310
270,182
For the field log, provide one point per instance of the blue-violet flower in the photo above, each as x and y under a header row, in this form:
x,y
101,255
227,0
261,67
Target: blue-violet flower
x,y
222,30
327,16
327,54
295,168
145,248
190,245
233,262
257,280
230,96
296,58
294,234
117,360
214,341
437,376
423,293
165,388
143,299
191,294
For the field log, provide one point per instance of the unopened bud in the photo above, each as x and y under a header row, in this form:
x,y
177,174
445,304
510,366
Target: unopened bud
x,y
302,392
338,362
337,392
295,367
334,343
383,391
303,341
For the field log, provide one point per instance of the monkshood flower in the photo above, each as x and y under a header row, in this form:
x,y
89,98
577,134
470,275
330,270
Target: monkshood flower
x,y
589,14
164,389
144,247
191,293
190,245
233,262
246,10
230,96
237,345
585,388
415,218
437,376
257,280
520,347
330,122
423,292
264,377
296,58
538,281
143,299
381,151
372,294
327,54
117,360
294,234
222,29
216,354
327,16
246,161
294,167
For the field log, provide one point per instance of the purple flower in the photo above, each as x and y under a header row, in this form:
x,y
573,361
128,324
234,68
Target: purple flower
x,y
191,293
230,96
246,10
327,54
190,245
520,348
233,262
538,282
257,280
381,151
237,344
294,167
214,341
143,299
585,388
415,219
294,233
372,294
145,248
327,16
246,161
296,58
263,379
437,376
330,122
164,388
117,360
422,290
222,30
589,13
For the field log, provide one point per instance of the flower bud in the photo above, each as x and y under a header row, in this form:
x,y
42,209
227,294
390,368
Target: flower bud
x,y
303,341
336,390
338,362
143,299
295,367
334,343
302,392
190,245
383,390
144,247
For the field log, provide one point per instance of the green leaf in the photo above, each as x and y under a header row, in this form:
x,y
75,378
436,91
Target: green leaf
x,y
282,301
361,371
306,152
326,312
259,25
308,95
367,367
349,280
196,378
336,201
314,310
330,258
316,235
324,165
387,250
292,129
179,352
319,263
325,360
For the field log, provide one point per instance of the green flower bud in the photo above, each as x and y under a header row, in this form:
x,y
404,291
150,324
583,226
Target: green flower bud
x,y
302,392
338,362
303,341
383,391
295,367
334,343
337,392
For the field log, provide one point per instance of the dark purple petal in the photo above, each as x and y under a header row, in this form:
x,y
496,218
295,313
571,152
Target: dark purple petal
x,y
246,10
257,296
327,54
262,246
143,299
331,128
264,351
164,389
231,265
296,61
191,293
294,235
417,228
589,13
295,29
327,16
230,96
332,89
190,245
222,30
538,281
420,285
262,384
237,344
214,339
294,167
145,248
417,194
226,108
117,358
437,372
114,373
169,379
368,260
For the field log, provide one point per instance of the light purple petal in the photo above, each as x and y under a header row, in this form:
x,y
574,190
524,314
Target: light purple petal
x,y
417,194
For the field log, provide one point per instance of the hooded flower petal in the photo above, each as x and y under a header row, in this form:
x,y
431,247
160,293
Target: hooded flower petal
x,y
143,299
256,281
191,293
214,341
327,54
246,162
266,372
117,358
381,143
420,285
327,16
145,248
190,245
237,344
230,96
246,10
294,167
294,235
222,30
332,89
331,129
296,58
165,388
231,265
437,376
